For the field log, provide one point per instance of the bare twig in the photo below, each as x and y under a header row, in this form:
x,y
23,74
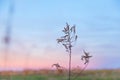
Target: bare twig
x,y
81,71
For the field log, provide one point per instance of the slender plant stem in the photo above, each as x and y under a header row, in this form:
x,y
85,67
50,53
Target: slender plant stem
x,y
80,71
5,58
69,77
67,41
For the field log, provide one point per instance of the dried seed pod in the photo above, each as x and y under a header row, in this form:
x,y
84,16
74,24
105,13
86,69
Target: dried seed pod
x,y
86,57
65,46
76,37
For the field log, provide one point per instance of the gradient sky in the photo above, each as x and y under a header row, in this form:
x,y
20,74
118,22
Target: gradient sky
x,y
38,23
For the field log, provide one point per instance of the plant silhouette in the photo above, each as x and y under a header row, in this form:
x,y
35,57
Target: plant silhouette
x,y
68,41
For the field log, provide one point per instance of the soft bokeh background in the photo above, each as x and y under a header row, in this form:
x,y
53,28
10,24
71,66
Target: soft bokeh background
x,y
36,24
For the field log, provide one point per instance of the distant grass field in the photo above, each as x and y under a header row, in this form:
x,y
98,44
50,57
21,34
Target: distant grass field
x,y
54,75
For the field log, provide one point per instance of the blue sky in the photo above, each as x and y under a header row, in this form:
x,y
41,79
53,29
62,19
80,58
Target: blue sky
x,y
39,23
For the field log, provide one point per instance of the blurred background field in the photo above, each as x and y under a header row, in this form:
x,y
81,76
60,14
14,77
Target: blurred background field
x,y
55,75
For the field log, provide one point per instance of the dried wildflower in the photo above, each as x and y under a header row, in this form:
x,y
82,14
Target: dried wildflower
x,y
85,57
68,41
57,66
69,37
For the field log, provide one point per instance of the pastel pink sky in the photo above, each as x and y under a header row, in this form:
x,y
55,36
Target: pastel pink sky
x,y
34,59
